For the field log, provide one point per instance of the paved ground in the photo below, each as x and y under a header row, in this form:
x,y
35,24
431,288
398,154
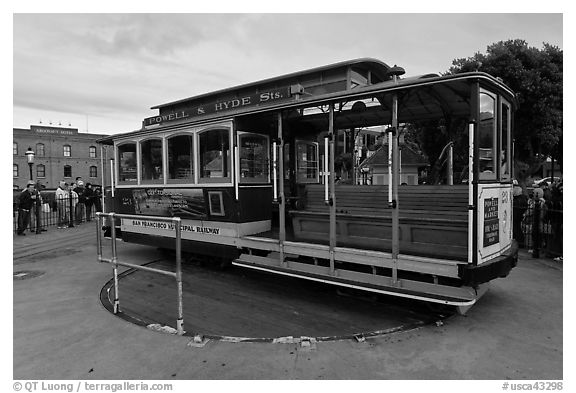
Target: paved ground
x,y
62,331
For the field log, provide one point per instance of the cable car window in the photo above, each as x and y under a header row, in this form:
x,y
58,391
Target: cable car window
x,y
215,156
505,141
127,163
487,137
151,156
181,159
306,162
254,158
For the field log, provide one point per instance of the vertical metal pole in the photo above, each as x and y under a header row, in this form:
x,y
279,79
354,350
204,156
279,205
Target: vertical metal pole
x,y
394,181
450,165
115,264
390,163
536,229
236,171
282,206
38,209
180,321
99,235
112,178
326,170
400,165
72,214
275,171
470,191
354,153
103,182
475,114
332,190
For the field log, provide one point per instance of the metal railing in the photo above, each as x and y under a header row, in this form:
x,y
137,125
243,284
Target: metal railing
x,y
52,213
115,262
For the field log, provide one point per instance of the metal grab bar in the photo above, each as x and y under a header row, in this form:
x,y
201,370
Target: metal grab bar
x,y
275,169
114,260
326,172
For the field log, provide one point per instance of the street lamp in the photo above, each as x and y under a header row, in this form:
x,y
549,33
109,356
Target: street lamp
x,y
30,157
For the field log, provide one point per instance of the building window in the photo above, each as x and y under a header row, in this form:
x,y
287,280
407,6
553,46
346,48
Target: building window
x,y
15,148
215,155
40,151
40,171
67,150
151,155
127,162
67,171
93,171
92,152
181,159
15,170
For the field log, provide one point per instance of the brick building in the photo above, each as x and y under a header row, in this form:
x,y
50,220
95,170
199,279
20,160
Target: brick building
x,y
61,153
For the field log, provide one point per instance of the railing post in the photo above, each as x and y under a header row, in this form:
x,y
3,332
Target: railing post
x,y
176,221
38,210
180,321
536,231
72,213
99,235
115,263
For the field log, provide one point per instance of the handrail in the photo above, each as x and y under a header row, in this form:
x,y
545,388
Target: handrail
x,y
114,260
326,172
275,170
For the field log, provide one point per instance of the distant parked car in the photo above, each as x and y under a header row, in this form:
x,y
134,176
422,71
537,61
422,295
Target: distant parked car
x,y
548,180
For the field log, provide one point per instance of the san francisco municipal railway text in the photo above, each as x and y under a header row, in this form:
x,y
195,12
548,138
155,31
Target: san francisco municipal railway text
x,y
171,227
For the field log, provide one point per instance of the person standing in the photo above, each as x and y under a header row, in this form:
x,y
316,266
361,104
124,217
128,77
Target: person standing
x,y
81,202
62,200
89,200
520,206
26,202
73,203
534,220
98,199
36,211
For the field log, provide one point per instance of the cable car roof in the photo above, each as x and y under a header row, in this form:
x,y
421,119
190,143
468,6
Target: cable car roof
x,y
424,96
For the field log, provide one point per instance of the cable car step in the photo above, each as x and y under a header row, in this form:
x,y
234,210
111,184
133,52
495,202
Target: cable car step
x,y
456,296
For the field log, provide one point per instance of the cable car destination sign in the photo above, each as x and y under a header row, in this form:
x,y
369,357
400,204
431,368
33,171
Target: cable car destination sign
x,y
223,105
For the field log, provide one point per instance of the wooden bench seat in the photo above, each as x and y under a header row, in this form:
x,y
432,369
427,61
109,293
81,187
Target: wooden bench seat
x,y
433,220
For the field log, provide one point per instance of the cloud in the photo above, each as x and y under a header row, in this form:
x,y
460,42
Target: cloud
x,y
115,64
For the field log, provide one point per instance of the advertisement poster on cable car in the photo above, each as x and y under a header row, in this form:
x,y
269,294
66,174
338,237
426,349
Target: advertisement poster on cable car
x,y
170,202
494,220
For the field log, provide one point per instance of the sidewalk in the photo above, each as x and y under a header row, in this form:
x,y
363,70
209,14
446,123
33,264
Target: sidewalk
x,y
62,331
34,243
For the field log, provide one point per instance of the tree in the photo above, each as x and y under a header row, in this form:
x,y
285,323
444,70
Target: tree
x,y
535,75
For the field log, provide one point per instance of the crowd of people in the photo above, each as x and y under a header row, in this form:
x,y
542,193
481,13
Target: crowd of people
x,y
74,203
538,217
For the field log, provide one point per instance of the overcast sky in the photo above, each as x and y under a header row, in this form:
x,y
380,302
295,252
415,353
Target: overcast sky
x,y
103,72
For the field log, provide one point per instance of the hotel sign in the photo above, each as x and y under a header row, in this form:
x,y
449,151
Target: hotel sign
x,y
54,130
222,106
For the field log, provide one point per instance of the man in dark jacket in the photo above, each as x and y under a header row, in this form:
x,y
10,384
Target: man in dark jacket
x,y
27,199
80,206
89,198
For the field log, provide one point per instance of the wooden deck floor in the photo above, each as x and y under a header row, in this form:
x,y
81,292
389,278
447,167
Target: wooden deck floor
x,y
245,303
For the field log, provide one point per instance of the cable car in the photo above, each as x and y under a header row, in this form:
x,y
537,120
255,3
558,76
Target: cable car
x,y
349,174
